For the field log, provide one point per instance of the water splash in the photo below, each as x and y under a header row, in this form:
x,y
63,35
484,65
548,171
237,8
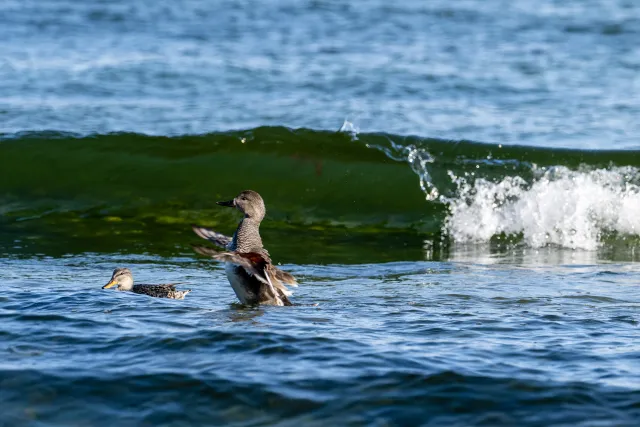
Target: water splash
x,y
350,129
562,207
418,159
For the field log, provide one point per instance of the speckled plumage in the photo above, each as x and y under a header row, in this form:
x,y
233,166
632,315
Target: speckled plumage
x,y
252,275
247,237
123,278
160,291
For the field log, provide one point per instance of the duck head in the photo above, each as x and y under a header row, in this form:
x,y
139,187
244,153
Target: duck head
x,y
249,203
121,277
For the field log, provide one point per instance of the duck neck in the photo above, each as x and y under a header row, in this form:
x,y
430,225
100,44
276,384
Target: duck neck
x,y
126,284
247,236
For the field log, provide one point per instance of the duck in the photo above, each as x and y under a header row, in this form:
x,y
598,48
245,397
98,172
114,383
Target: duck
x,y
248,266
123,278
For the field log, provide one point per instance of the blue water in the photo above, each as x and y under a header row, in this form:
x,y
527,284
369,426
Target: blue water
x,y
529,72
513,300
518,340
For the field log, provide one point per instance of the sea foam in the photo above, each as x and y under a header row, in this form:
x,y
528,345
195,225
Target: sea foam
x,y
563,207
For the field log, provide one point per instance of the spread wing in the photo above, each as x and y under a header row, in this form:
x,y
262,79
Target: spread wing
x,y
205,250
256,264
212,236
284,277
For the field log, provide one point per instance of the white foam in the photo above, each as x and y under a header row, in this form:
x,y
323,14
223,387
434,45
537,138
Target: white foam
x,y
562,207
350,128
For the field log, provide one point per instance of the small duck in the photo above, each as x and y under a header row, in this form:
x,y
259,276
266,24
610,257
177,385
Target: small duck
x,y
253,277
124,279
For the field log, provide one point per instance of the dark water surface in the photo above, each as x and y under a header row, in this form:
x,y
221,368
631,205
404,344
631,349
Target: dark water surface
x,y
498,341
486,281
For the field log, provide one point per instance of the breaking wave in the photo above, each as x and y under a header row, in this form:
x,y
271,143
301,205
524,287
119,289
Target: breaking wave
x,y
132,184
563,207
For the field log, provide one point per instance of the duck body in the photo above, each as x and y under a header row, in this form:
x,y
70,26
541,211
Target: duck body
x,y
251,274
167,290
245,287
250,290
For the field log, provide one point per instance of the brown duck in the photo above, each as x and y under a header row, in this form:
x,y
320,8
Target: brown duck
x,y
253,277
124,279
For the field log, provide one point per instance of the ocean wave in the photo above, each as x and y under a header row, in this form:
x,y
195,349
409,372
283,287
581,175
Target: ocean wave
x,y
95,185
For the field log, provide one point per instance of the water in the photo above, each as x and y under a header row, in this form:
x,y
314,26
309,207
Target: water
x,y
547,73
526,338
483,272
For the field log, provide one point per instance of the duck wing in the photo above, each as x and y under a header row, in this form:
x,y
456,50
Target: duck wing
x,y
254,263
206,250
212,236
167,290
258,265
284,277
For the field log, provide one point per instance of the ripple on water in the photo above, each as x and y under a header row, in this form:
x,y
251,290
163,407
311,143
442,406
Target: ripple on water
x,y
464,351
399,395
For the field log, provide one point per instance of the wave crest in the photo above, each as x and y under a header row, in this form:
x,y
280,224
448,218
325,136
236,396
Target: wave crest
x,y
568,208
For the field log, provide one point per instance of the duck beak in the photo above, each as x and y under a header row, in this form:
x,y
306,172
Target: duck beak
x,y
109,285
230,203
